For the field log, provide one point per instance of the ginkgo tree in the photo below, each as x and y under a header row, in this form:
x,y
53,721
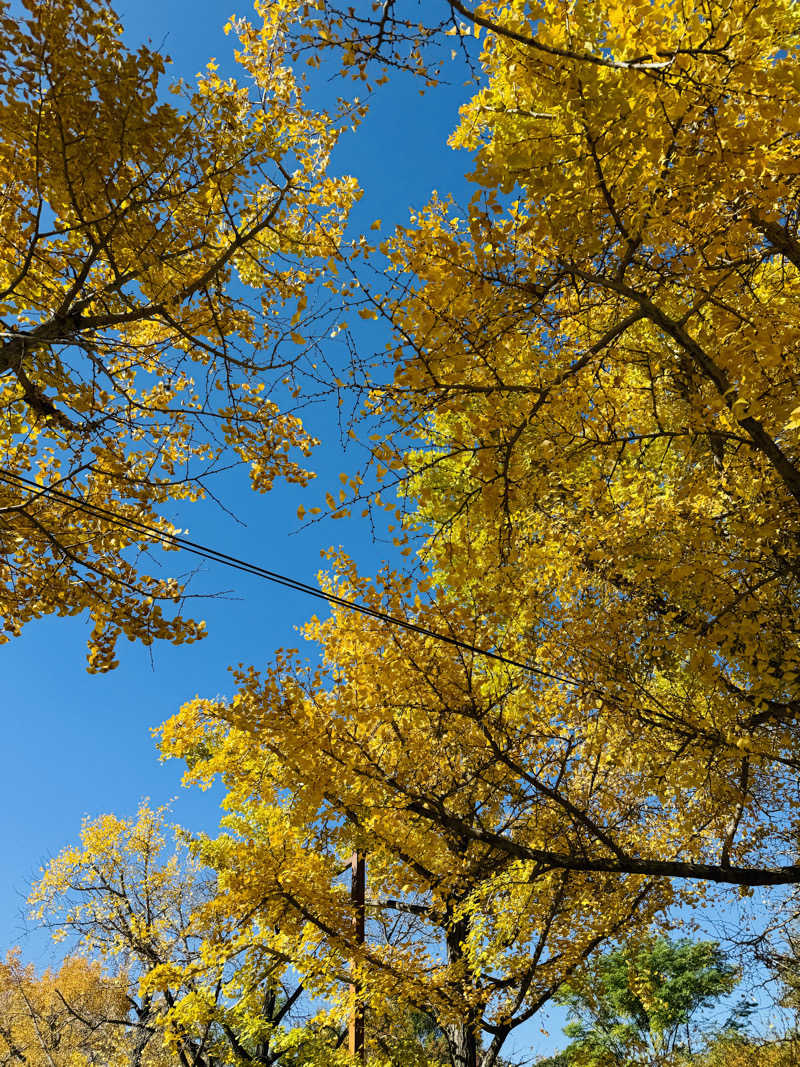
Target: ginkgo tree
x,y
592,408
73,1016
158,963
593,400
155,258
372,754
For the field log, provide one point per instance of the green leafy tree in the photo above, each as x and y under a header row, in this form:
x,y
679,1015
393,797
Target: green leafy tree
x,y
640,1004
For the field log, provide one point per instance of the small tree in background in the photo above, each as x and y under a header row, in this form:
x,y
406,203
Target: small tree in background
x,y
189,977
640,1005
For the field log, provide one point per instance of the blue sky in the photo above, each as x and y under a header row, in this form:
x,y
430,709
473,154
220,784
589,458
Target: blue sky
x,y
77,744
80,745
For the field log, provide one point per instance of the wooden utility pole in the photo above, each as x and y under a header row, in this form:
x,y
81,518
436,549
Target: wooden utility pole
x,y
356,1042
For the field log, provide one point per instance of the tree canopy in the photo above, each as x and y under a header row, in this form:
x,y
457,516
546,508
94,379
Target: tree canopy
x,y
321,762
196,984
74,1016
599,357
587,408
152,256
639,1004
590,405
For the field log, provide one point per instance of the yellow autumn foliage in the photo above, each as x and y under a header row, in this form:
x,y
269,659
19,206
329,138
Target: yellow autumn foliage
x,y
151,257
592,408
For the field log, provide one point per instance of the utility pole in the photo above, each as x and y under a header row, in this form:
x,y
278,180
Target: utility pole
x,y
356,1042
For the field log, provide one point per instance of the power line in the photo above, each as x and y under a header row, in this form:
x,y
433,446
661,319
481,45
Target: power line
x,y
215,556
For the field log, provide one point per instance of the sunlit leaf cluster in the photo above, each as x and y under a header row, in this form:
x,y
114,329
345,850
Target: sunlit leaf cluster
x,y
152,257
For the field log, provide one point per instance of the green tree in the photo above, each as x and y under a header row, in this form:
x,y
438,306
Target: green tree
x,y
641,1004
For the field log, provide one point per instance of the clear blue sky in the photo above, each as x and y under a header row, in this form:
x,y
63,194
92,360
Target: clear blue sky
x,y
77,744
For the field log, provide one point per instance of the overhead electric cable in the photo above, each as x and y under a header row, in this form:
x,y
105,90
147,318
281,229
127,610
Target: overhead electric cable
x,y
215,556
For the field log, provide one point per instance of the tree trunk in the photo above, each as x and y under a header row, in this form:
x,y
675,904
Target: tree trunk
x,y
462,1043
